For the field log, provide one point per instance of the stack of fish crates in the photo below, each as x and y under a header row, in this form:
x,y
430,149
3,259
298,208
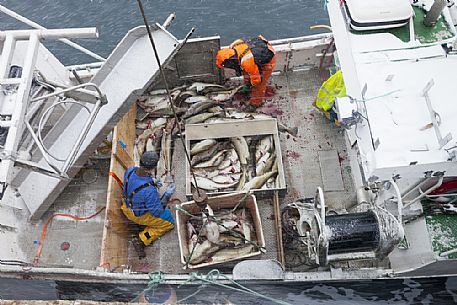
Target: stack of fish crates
x,y
226,133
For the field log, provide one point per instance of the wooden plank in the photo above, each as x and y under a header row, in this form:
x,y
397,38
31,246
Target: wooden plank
x,y
277,214
123,157
231,129
114,250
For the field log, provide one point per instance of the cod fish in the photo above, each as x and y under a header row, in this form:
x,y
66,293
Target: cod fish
x,y
204,155
200,117
202,146
157,101
265,164
149,124
232,169
136,154
202,252
210,185
222,96
203,172
164,164
231,253
214,161
242,180
190,230
215,109
256,116
196,99
154,133
270,183
242,149
204,87
198,107
226,225
226,240
263,146
210,227
227,178
183,96
246,227
259,181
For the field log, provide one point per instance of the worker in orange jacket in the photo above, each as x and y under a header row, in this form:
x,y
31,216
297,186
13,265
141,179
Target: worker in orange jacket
x,y
255,59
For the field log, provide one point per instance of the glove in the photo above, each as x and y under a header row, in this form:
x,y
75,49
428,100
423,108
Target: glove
x,y
157,182
170,190
246,88
168,193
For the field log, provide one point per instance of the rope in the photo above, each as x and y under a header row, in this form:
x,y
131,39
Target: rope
x,y
189,257
112,174
45,229
383,95
214,276
155,279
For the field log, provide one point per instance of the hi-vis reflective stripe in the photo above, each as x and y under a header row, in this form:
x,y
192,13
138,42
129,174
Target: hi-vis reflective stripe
x,y
246,57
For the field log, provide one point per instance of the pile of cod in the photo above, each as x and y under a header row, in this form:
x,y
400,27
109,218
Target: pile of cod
x,y
219,164
220,236
226,164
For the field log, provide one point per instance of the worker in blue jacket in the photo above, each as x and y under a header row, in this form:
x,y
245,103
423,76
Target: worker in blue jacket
x,y
142,202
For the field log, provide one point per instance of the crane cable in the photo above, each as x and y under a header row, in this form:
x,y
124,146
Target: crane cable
x,y
162,73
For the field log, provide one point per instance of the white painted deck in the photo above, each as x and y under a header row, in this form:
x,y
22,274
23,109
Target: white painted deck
x,y
393,134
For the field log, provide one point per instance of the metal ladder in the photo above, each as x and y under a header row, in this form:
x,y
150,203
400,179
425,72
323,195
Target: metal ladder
x,y
17,106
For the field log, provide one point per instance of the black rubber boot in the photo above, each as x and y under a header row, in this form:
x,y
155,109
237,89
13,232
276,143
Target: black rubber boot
x,y
138,245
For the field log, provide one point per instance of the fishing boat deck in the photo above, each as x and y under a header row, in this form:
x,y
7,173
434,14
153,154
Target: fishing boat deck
x,y
292,106
316,157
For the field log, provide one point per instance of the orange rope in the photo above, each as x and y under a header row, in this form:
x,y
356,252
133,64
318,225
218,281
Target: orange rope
x,y
112,174
45,229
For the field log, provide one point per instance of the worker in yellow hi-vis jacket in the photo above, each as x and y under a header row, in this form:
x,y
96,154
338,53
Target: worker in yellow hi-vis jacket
x,y
332,88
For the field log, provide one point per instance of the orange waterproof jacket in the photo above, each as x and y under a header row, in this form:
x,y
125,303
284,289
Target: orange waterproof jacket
x,y
252,55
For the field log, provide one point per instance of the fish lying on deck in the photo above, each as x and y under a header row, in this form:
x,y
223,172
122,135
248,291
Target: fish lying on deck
x,y
222,96
204,88
201,117
198,107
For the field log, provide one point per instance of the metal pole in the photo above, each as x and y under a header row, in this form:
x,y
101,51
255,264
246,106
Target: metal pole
x,y
434,13
41,148
51,34
82,136
162,72
169,20
37,26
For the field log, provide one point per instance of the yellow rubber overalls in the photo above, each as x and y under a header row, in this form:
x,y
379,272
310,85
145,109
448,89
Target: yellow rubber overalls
x,y
155,226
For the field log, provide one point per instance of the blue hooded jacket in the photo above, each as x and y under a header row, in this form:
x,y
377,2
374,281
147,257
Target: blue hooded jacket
x,y
147,199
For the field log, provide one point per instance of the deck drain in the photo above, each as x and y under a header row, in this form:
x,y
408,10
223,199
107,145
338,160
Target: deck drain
x,y
90,175
65,246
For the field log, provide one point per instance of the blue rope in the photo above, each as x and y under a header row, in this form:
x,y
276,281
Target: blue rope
x,y
379,96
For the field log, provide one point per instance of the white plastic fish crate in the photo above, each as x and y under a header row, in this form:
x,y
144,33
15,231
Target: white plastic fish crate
x,y
226,201
245,128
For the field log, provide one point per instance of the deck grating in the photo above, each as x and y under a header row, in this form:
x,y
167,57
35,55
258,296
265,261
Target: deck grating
x,y
331,178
